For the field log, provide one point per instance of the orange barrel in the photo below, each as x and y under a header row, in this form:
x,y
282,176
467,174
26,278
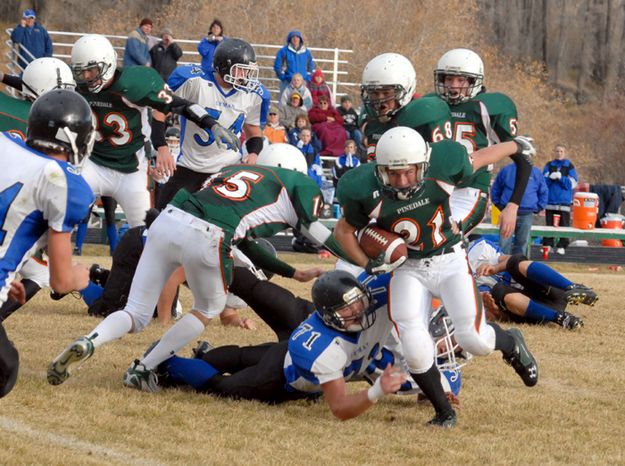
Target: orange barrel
x,y
585,210
613,221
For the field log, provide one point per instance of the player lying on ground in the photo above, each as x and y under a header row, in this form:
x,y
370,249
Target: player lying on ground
x,y
518,289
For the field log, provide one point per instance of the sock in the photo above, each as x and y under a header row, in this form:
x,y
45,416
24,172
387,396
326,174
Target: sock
x,y
81,234
184,371
115,326
430,384
503,341
540,312
111,233
545,275
91,293
185,330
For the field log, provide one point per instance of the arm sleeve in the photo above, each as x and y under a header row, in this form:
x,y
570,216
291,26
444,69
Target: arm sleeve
x,y
523,173
277,64
12,81
203,47
543,192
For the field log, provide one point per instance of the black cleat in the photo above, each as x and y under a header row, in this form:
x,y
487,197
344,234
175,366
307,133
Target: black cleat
x,y
57,296
577,293
521,359
569,321
444,420
201,349
98,275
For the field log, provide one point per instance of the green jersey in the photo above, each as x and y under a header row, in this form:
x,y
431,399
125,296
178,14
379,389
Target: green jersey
x,y
429,116
253,201
14,115
422,220
121,111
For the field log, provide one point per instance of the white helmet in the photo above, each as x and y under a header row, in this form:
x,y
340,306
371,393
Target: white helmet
x,y
459,62
94,51
284,156
44,74
388,71
397,149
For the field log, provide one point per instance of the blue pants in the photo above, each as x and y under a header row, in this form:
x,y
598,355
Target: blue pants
x,y
517,244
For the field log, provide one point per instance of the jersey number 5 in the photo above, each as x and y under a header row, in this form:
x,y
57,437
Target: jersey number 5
x,y
237,186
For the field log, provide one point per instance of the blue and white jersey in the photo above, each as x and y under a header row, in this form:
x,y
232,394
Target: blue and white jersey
x,y
318,354
232,109
37,192
485,252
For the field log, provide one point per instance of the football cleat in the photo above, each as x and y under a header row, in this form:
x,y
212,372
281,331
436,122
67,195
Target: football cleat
x,y
578,293
139,377
569,321
98,275
522,360
201,349
444,420
80,350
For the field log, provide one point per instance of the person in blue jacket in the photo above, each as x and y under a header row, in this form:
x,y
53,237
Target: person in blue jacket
x,y
293,58
207,46
32,36
561,179
534,200
137,50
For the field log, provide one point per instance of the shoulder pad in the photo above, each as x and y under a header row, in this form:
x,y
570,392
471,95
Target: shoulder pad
x,y
497,103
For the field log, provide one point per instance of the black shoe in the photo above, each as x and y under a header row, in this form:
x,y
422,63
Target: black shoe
x,y
521,359
77,252
98,275
57,296
201,349
578,293
444,420
569,321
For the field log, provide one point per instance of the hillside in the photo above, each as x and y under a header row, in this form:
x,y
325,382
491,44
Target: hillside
x,y
423,31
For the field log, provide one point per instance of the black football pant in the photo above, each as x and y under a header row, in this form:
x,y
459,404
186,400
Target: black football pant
x,y
182,178
565,221
9,363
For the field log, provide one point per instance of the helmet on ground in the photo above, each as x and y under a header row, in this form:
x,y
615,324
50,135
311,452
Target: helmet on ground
x,y
61,121
400,148
343,302
235,61
44,74
283,156
442,330
459,62
90,52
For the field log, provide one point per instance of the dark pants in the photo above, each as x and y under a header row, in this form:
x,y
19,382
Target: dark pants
x,y
182,178
565,221
9,363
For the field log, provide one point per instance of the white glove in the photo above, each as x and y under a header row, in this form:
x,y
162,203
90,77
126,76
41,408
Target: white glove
x,y
225,139
378,266
555,175
525,147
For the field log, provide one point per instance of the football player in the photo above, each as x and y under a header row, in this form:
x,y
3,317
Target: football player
x,y
198,231
42,197
234,97
523,290
407,191
119,99
480,119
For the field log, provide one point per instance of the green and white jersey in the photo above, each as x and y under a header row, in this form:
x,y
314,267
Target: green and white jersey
x,y
422,220
429,116
253,201
14,115
121,111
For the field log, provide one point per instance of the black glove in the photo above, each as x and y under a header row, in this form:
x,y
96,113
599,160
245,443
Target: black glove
x,y
377,266
224,138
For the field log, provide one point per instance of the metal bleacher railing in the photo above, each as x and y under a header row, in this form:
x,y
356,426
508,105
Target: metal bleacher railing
x,y
333,62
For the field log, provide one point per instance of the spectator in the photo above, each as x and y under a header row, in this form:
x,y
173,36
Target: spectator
x,y
293,109
207,46
561,179
165,54
534,200
293,58
301,122
350,121
137,51
297,85
328,126
32,36
274,131
317,86
348,160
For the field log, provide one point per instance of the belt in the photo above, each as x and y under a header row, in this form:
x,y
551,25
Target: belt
x,y
449,249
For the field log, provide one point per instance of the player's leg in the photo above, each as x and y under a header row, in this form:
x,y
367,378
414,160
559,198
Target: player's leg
x,y
565,221
110,205
35,276
9,363
548,241
182,178
133,196
409,304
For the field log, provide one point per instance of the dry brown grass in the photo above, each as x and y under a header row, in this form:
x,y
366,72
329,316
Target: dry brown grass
x,y
573,416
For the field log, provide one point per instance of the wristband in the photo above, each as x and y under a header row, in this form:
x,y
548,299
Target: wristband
x,y
375,392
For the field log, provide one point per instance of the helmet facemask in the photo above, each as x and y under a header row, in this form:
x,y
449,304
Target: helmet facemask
x,y
358,300
96,83
448,351
476,83
243,77
374,104
402,194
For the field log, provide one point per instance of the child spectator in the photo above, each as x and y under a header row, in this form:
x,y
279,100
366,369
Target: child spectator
x,y
318,87
274,131
345,162
301,122
328,126
292,110
350,121
298,85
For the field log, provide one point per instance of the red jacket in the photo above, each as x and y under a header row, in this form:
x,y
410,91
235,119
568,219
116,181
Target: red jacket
x,y
317,115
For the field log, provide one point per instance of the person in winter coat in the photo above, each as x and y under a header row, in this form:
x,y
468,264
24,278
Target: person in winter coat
x,y
32,36
165,54
317,87
298,85
293,58
292,110
207,46
327,123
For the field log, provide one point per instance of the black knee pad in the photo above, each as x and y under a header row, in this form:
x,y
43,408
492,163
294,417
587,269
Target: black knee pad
x,y
512,267
499,292
9,364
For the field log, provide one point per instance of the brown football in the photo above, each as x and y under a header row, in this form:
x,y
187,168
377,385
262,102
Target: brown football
x,y
374,241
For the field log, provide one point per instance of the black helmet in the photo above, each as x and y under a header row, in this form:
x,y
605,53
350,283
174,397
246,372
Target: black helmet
x,y
61,120
336,290
235,61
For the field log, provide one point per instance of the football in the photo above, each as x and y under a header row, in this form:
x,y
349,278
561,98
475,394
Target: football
x,y
375,240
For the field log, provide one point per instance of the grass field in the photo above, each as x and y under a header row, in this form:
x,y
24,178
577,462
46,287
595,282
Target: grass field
x,y
573,416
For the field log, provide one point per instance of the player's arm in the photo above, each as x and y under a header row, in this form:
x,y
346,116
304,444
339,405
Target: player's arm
x,y
349,405
11,81
64,275
165,163
346,236
253,142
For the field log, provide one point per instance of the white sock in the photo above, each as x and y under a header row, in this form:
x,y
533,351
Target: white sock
x,y
115,326
184,331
